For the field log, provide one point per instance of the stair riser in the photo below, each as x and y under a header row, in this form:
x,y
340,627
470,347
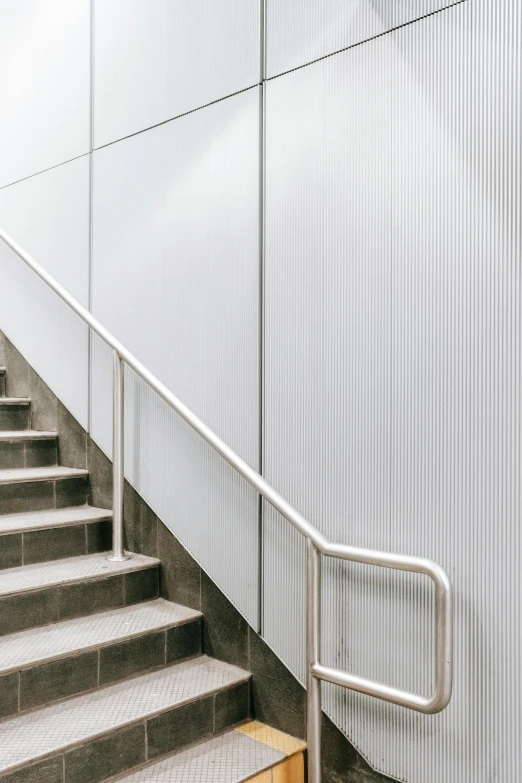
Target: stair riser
x,y
14,417
38,495
21,611
41,546
28,454
133,745
87,670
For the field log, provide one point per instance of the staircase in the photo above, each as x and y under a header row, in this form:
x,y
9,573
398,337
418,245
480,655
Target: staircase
x,y
100,678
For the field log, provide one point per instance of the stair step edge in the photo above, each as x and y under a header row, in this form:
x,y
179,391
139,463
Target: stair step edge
x,y
36,646
235,756
15,401
83,568
82,719
16,435
32,475
47,519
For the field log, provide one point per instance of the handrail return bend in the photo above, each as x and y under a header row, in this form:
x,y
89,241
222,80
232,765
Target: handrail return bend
x,y
317,544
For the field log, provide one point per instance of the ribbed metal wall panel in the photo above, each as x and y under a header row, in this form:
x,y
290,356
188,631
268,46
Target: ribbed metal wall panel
x,y
157,59
393,376
44,85
176,277
49,215
300,31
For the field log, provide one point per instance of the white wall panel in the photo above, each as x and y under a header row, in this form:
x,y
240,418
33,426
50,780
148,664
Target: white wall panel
x,y
49,216
176,278
157,59
300,31
392,339
45,85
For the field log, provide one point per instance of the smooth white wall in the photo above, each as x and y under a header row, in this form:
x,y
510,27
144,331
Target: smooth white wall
x,y
176,278
44,85
48,215
157,59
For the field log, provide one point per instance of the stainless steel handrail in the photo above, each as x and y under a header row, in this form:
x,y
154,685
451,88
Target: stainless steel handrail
x,y
317,544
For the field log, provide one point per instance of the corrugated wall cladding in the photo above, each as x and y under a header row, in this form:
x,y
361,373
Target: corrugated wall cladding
x,y
157,59
44,85
393,373
300,31
49,216
176,278
392,324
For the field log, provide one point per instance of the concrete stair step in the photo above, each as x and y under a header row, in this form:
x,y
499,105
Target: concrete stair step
x,y
33,489
15,402
32,475
111,730
54,534
44,593
27,449
52,518
48,663
253,752
9,436
14,411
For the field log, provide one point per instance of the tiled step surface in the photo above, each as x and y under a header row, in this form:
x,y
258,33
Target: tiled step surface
x,y
33,489
27,449
32,475
251,752
45,593
6,436
39,536
68,571
48,663
103,733
14,413
51,518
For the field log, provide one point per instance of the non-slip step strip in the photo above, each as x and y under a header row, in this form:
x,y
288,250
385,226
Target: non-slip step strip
x,y
72,569
52,730
10,436
15,401
38,645
59,517
253,752
30,475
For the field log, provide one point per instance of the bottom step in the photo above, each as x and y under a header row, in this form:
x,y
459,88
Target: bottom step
x,y
252,752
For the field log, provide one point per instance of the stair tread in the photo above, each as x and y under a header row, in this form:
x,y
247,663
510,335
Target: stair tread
x,y
72,569
232,757
37,645
10,435
52,729
21,475
54,517
15,400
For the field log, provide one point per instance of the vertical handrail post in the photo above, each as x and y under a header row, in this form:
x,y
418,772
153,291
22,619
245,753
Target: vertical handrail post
x,y
313,654
118,553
